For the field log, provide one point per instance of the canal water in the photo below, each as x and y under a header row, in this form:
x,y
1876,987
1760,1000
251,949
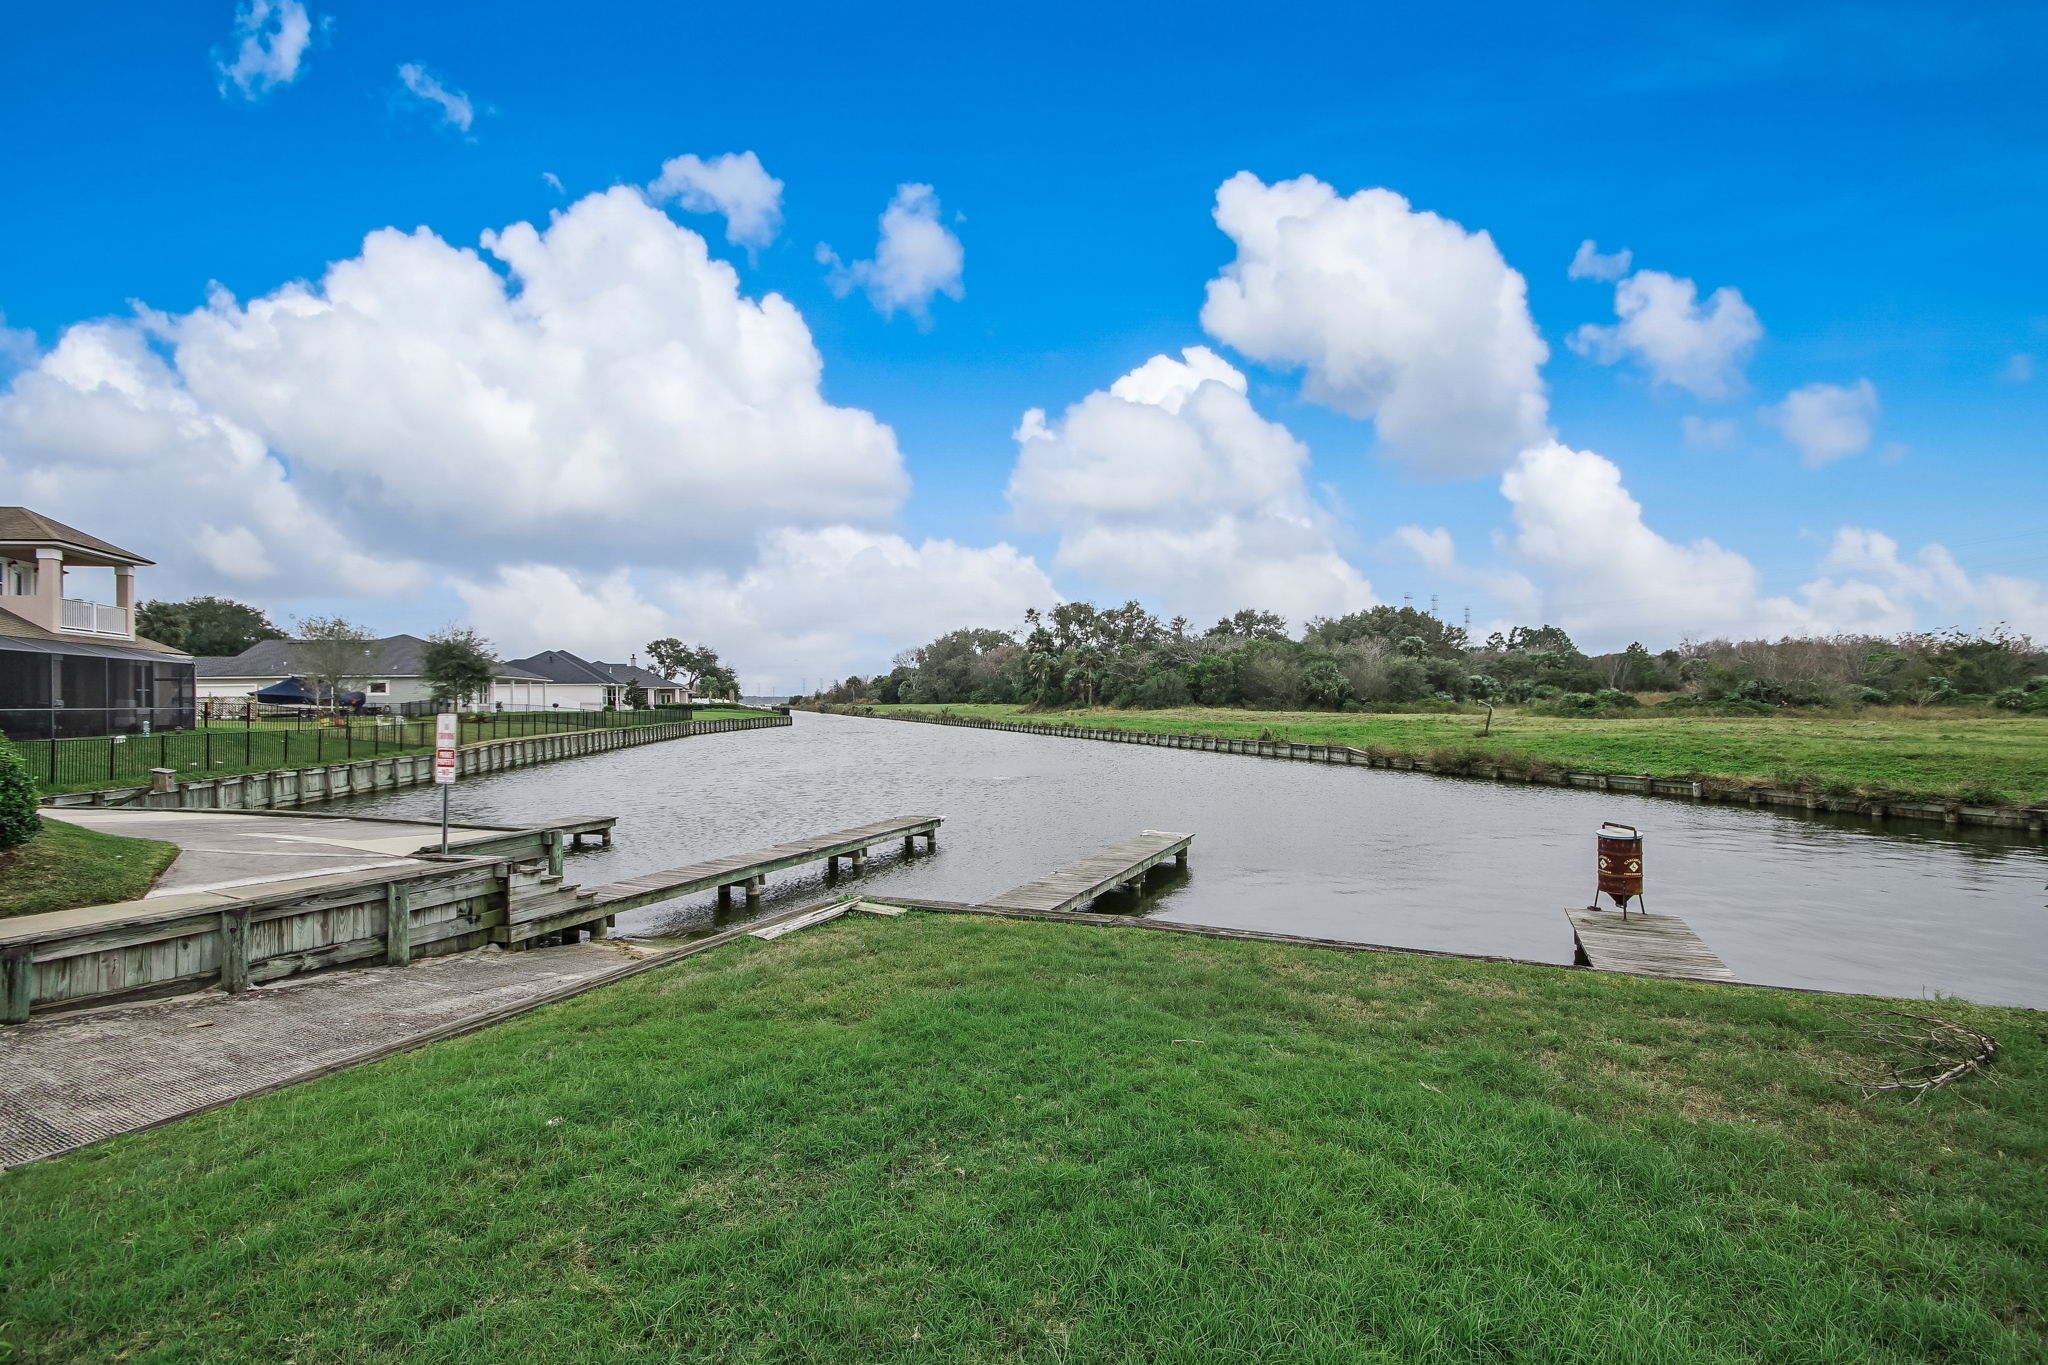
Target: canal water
x,y
1336,852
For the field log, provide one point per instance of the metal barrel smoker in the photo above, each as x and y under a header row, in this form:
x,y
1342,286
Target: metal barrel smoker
x,y
1620,867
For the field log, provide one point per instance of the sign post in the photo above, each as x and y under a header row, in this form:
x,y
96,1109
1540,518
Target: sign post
x,y
444,766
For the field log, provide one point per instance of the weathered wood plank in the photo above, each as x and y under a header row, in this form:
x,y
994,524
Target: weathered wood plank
x,y
803,921
1643,945
397,924
1082,881
234,951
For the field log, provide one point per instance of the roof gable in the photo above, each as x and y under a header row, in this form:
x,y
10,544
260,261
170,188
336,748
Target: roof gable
x,y
21,525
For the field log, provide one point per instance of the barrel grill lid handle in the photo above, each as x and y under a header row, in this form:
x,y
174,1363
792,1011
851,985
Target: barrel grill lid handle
x,y
1616,824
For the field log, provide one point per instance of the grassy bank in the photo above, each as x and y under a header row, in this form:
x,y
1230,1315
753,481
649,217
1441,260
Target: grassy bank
x,y
64,866
1900,752
969,1140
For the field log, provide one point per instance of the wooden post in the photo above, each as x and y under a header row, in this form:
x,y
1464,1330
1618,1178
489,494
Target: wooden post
x,y
931,840
754,885
725,895
1181,858
234,951
860,860
397,923
17,984
553,840
909,844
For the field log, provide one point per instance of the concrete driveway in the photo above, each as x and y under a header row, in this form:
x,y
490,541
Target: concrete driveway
x,y
221,849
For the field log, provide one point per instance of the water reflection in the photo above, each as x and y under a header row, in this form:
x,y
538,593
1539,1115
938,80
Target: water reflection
x,y
1351,853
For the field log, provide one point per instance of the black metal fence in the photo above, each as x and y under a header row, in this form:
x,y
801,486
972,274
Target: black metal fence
x,y
223,749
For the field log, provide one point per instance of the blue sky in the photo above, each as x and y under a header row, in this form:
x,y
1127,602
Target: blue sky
x,y
1870,179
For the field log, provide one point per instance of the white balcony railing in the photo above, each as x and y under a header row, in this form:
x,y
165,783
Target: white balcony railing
x,y
95,618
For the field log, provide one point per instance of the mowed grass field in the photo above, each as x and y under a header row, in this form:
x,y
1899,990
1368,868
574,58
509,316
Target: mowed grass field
x,y
1893,751
953,1139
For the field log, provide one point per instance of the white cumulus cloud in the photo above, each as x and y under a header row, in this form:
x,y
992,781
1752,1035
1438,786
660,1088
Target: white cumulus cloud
x,y
1827,422
1677,339
611,394
1395,314
734,185
270,38
1168,484
812,604
456,110
102,414
1589,264
599,437
1582,554
916,259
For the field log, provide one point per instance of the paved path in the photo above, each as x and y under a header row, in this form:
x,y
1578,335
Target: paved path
x,y
221,849
74,1079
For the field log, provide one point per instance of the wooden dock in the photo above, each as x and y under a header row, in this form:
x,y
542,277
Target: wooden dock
x,y
748,871
1643,945
1097,874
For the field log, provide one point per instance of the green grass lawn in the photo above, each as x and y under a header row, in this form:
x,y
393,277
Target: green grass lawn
x,y
948,1140
64,865
1893,751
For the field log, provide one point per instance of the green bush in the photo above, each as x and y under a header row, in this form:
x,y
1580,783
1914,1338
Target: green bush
x,y
18,819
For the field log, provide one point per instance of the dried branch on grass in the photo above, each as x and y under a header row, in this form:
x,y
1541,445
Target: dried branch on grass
x,y
1923,1052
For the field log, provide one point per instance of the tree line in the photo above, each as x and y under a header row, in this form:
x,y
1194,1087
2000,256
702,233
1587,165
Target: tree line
x,y
1386,657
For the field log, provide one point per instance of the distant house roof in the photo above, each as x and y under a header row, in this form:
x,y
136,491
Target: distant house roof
x,y
633,673
394,656
21,630
20,525
560,666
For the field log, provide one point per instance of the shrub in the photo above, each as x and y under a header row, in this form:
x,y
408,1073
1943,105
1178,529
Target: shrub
x,y
18,819
1607,701
1158,692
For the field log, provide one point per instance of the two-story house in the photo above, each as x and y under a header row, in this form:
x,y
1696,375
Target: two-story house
x,y
73,664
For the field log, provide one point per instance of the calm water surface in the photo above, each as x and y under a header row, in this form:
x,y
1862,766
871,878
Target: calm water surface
x,y
1350,853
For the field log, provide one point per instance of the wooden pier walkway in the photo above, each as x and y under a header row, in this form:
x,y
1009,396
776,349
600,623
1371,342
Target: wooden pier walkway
x,y
747,871
1097,874
1643,945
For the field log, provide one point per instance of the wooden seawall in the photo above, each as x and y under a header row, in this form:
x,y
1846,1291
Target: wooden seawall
x,y
2029,819
286,787
242,936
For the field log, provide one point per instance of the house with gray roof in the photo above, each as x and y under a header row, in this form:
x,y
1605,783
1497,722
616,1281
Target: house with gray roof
x,y
597,685
396,676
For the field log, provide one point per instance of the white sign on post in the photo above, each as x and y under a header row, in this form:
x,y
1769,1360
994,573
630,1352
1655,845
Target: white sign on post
x,y
444,749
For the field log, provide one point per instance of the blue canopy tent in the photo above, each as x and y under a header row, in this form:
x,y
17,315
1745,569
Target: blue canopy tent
x,y
294,692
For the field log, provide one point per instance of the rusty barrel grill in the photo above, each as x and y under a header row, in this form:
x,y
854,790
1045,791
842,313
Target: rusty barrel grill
x,y
1620,866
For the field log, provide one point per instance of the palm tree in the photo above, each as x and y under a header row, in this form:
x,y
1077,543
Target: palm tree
x,y
1086,672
